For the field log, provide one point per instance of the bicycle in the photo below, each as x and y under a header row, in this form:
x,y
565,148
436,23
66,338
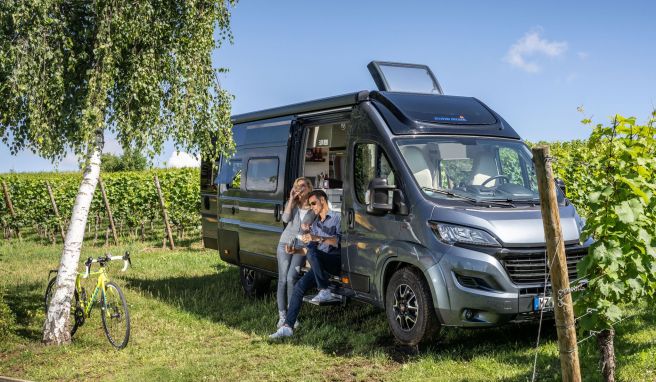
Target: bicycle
x,y
114,307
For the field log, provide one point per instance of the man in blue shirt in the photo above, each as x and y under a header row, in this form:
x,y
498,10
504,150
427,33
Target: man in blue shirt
x,y
324,255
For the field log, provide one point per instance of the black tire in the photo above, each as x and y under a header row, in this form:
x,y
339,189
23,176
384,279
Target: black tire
x,y
254,283
115,316
76,315
409,307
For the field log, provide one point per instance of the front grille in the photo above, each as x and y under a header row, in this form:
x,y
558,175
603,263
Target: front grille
x,y
530,266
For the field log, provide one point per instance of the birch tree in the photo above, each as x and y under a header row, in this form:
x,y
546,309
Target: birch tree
x,y
73,70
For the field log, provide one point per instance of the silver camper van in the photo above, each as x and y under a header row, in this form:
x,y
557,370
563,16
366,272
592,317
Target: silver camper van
x,y
441,222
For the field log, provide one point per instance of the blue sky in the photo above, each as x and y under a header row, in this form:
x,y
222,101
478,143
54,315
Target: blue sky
x,y
534,63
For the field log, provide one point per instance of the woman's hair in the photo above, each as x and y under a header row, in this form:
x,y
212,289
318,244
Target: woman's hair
x,y
307,182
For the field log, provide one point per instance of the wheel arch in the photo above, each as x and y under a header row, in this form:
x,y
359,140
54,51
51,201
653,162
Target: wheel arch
x,y
432,276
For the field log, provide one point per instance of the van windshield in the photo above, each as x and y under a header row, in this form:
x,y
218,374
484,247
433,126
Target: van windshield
x,y
474,169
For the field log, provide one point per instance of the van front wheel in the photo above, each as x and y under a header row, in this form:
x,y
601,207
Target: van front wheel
x,y
254,283
409,307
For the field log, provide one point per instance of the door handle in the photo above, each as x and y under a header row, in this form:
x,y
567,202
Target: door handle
x,y
276,212
350,217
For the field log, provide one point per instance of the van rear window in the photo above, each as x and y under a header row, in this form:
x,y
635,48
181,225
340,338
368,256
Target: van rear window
x,y
442,109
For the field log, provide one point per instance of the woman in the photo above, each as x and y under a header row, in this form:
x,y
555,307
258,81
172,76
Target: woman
x,y
298,216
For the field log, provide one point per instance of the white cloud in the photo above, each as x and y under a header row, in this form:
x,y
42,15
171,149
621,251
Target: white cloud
x,y
531,45
182,159
583,55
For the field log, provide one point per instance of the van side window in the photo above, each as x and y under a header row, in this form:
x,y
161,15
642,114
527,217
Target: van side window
x,y
370,162
207,180
262,174
229,175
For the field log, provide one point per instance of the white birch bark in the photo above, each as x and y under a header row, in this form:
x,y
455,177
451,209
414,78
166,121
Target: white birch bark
x,y
56,329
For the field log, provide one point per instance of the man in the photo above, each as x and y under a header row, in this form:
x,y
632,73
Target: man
x,y
323,254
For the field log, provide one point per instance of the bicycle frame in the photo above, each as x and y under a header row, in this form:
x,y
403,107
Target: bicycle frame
x,y
87,303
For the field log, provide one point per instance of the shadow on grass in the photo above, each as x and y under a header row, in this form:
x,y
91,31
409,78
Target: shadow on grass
x,y
26,304
355,329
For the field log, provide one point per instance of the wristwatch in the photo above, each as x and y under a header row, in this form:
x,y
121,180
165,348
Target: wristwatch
x,y
322,239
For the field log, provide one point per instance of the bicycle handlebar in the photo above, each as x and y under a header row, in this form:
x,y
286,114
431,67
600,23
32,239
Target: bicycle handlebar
x,y
104,259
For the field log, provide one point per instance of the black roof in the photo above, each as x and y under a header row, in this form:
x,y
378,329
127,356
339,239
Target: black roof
x,y
412,113
406,113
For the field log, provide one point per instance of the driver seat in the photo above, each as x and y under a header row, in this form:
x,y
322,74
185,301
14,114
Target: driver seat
x,y
418,165
484,170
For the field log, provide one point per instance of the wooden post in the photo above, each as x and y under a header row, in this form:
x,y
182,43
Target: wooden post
x,y
10,205
165,215
54,207
564,310
108,209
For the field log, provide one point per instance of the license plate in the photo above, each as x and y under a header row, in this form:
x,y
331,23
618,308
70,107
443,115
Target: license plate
x,y
542,303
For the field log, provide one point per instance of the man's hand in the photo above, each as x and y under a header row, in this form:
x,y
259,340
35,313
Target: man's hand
x,y
306,238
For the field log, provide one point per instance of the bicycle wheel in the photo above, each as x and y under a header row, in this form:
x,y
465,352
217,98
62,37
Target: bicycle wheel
x,y
75,311
115,316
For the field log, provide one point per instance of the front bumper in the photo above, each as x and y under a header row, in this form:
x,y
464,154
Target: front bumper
x,y
479,289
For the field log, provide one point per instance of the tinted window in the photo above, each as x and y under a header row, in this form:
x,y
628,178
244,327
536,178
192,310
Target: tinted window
x,y
257,133
262,174
443,109
229,174
206,176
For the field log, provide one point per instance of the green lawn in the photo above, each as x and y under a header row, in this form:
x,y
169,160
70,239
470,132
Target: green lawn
x,y
190,321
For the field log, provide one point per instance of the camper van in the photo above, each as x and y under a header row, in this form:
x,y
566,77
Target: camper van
x,y
441,221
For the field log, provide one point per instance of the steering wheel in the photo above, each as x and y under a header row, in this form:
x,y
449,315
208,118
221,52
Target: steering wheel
x,y
488,180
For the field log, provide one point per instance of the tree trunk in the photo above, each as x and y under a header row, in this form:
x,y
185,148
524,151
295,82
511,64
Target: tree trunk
x,y
56,327
607,350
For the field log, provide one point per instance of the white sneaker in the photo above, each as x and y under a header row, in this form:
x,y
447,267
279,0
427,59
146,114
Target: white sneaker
x,y
284,331
322,296
281,318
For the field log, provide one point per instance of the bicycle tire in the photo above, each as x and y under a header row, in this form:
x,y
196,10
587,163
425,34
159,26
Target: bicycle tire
x,y
115,316
74,304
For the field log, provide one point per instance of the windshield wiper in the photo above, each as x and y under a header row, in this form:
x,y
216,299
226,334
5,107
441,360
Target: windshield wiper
x,y
468,198
535,202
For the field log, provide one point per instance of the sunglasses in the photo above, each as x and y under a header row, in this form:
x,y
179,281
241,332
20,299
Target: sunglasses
x,y
313,203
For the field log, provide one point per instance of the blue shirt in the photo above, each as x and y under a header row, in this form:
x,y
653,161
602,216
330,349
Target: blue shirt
x,y
329,227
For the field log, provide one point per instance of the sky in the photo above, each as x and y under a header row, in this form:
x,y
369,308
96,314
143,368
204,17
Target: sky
x,y
534,63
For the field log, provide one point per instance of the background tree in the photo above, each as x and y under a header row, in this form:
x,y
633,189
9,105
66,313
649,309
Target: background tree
x,y
130,160
71,70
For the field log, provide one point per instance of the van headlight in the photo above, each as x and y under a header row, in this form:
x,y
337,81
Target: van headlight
x,y
451,234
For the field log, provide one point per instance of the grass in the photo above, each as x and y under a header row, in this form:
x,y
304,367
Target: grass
x,y
191,321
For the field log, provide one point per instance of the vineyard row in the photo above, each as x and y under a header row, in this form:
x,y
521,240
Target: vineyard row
x,y
132,197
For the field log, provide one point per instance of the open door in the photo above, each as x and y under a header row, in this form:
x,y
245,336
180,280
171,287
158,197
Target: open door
x,y
406,78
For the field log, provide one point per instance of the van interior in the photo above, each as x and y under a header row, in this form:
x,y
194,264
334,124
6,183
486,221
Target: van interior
x,y
325,159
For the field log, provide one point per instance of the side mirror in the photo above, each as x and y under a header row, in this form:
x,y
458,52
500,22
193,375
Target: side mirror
x,y
400,206
381,196
561,184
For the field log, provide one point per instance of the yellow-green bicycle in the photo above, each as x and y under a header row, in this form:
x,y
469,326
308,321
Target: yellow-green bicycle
x,y
114,308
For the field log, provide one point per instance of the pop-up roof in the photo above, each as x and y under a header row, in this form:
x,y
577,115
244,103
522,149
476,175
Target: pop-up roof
x,y
405,78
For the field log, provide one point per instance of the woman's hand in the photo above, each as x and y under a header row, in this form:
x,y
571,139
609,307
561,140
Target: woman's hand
x,y
289,249
306,238
293,194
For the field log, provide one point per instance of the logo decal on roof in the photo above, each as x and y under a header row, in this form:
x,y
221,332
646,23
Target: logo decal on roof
x,y
459,118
